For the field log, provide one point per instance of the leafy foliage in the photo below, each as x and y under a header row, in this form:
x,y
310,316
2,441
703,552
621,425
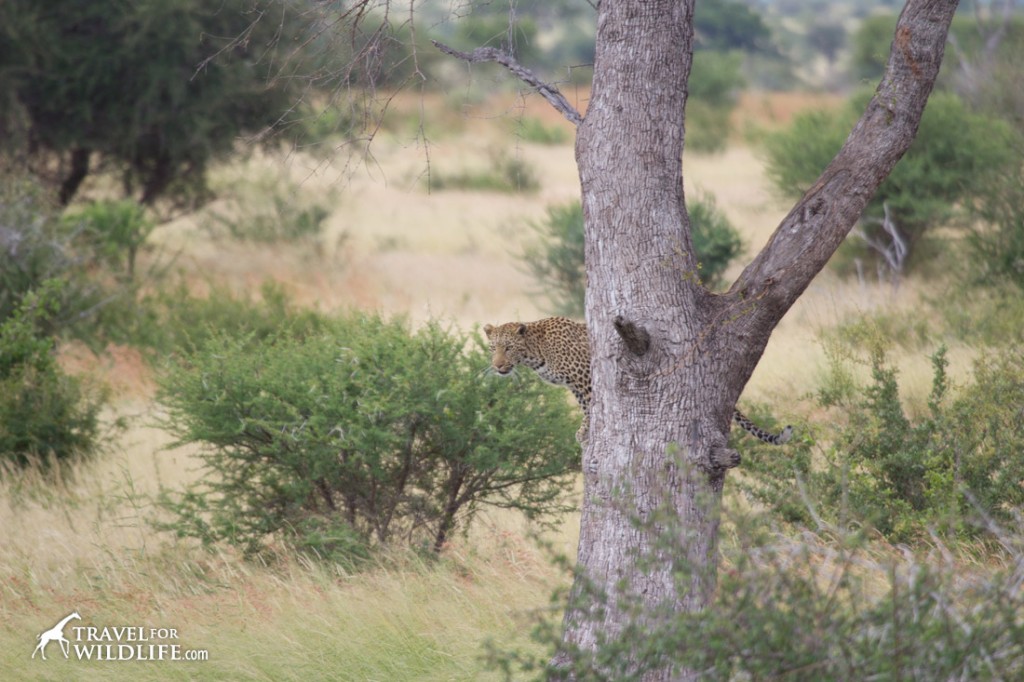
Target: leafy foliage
x,y
33,249
981,64
365,435
494,30
171,319
150,90
816,608
45,414
987,316
715,79
729,25
115,231
557,258
870,47
926,188
907,476
36,246
715,240
997,237
267,208
505,173
535,130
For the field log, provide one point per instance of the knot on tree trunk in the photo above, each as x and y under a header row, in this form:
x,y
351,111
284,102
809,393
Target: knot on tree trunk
x,y
721,456
636,338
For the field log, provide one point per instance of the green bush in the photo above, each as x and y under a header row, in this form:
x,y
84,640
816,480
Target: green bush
x,y
988,316
37,246
731,25
267,208
715,240
173,320
506,173
826,607
556,260
320,129
997,237
33,250
904,475
870,47
536,131
707,127
492,27
714,83
771,480
983,67
115,231
45,414
363,435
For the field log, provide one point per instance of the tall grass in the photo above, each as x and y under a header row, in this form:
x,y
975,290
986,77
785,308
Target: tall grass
x,y
86,545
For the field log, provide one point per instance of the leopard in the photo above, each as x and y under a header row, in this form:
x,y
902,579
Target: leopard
x,y
558,350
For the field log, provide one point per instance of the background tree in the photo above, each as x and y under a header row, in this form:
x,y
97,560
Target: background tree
x,y
130,88
729,25
997,234
715,82
870,46
827,37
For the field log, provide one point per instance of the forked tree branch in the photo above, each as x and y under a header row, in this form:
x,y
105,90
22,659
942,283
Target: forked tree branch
x,y
818,223
547,91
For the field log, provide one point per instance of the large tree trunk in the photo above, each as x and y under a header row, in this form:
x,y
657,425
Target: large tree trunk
x,y
670,359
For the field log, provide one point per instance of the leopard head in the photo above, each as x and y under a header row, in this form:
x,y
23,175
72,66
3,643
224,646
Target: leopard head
x,y
508,345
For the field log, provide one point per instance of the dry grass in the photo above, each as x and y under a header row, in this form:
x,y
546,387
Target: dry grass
x,y
86,545
769,110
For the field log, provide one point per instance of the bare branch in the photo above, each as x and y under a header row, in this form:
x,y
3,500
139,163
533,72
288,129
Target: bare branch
x,y
819,222
895,251
547,91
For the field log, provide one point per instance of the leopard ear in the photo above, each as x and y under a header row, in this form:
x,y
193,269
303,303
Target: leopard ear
x,y
522,330
488,328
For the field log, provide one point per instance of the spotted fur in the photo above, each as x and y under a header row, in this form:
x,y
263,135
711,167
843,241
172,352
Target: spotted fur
x,y
558,349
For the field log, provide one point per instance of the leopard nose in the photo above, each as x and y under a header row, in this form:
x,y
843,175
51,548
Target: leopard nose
x,y
503,369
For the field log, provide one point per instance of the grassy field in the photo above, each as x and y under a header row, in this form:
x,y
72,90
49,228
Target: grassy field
x,y
87,547
392,246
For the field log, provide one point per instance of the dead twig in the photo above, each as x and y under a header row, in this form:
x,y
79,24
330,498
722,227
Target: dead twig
x,y
547,91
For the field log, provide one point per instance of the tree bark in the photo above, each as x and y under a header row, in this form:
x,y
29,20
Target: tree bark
x,y
669,359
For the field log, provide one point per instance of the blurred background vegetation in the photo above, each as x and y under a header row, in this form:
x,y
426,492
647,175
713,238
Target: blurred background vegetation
x,y
161,198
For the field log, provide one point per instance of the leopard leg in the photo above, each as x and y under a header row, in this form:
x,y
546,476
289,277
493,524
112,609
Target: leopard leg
x,y
582,432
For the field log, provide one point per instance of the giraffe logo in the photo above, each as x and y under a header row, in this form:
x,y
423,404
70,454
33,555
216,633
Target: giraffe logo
x,y
55,633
